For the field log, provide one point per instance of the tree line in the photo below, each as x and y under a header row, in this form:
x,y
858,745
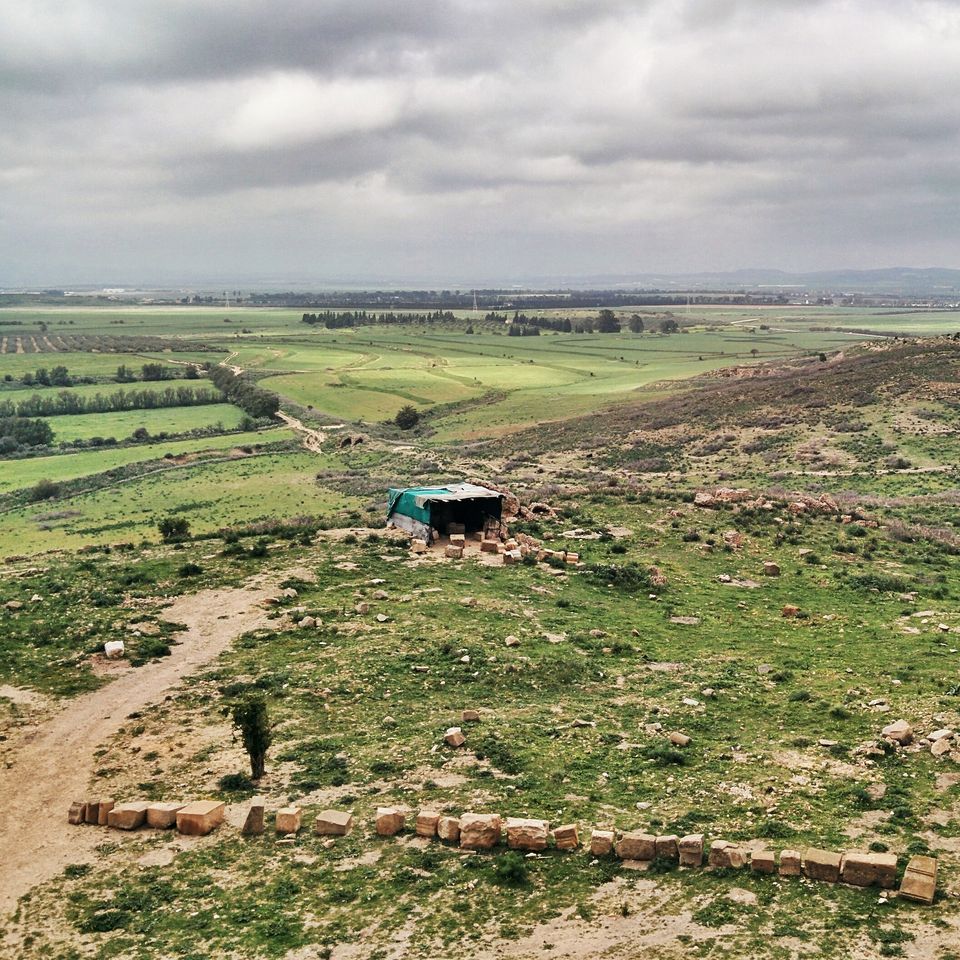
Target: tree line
x,y
335,320
246,394
69,402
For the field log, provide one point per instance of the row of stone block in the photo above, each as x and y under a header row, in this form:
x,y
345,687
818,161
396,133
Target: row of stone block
x,y
289,819
480,831
484,831
193,819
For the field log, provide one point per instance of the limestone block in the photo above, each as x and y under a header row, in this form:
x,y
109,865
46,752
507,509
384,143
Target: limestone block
x,y
635,845
454,737
469,716
418,546
255,824
113,649
771,569
867,869
489,546
92,814
601,843
527,834
77,813
821,864
458,539
480,831
288,820
920,880
163,816
128,816
790,862
453,551
763,861
448,828
572,559
566,836
723,853
691,850
667,847
390,821
333,823
426,825
679,739
105,807
197,819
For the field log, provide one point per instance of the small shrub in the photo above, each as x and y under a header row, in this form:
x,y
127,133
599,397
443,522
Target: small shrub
x,y
511,870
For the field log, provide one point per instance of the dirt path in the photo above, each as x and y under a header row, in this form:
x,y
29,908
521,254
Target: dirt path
x,y
51,767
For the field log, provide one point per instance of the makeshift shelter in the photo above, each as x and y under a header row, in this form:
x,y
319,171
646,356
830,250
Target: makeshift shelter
x,y
429,512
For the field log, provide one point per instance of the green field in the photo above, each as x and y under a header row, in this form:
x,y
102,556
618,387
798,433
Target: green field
x,y
213,495
17,474
121,425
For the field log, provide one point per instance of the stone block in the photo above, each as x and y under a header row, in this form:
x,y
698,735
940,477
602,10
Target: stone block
x,y
940,747
566,836
821,864
790,863
448,829
390,821
454,737
163,816
511,544
458,539
418,546
920,880
426,825
667,847
92,813
288,820
469,716
489,546
255,824
869,869
679,739
199,818
480,831
763,861
635,845
128,816
572,559
333,823
771,569
453,551
723,853
690,848
525,834
103,816
601,843
77,813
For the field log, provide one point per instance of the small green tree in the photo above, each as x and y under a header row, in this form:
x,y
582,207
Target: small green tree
x,y
250,717
174,529
407,417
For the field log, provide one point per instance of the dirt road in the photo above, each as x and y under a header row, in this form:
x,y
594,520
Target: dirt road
x,y
52,766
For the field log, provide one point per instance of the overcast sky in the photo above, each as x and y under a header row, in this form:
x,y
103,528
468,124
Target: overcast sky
x,y
472,140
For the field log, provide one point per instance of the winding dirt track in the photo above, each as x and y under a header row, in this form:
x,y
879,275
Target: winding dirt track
x,y
52,765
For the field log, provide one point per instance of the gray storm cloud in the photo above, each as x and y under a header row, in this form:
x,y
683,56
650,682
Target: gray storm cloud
x,y
474,139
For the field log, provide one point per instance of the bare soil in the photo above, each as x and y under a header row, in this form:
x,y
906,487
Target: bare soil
x,y
51,766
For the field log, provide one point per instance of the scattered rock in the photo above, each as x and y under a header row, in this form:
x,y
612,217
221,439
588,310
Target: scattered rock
x,y
469,716
771,569
679,739
512,641
454,737
113,649
900,731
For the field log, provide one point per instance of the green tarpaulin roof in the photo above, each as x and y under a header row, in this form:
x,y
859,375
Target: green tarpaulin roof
x,y
415,501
